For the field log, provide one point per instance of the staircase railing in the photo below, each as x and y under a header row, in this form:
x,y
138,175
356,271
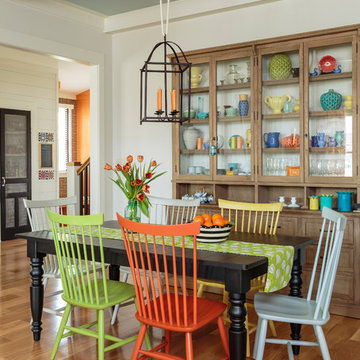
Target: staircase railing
x,y
84,178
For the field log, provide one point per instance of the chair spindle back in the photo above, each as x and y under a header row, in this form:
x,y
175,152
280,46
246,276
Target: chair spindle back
x,y
38,218
252,217
80,279
172,211
147,250
328,250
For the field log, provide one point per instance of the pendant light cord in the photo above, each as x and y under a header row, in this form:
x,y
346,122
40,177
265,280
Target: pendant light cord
x,y
162,18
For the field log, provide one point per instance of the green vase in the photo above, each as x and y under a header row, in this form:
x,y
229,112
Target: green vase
x,y
132,211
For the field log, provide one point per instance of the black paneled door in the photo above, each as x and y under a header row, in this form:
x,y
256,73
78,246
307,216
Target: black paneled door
x,y
15,171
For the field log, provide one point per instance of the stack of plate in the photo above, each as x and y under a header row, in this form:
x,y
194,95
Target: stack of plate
x,y
214,234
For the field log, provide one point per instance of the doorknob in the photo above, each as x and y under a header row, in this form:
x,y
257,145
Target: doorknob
x,y
3,181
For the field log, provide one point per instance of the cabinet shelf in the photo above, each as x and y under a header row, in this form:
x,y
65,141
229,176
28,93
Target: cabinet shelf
x,y
194,152
197,90
281,82
339,149
234,118
281,116
330,113
196,121
331,76
235,151
280,150
233,86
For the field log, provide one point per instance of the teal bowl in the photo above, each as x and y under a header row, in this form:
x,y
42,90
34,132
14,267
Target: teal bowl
x,y
203,115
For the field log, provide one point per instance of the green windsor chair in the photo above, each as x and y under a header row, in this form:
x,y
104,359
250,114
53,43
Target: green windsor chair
x,y
88,288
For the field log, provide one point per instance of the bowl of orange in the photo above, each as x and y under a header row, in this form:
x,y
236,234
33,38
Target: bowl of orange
x,y
213,228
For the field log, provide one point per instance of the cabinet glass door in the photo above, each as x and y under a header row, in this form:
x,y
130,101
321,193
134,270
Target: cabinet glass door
x,y
330,113
233,118
195,137
280,115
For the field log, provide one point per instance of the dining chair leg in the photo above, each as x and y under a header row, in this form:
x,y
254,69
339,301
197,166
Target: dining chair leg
x,y
200,290
223,335
60,331
262,339
126,275
189,346
257,337
168,341
114,314
272,328
139,342
322,342
101,334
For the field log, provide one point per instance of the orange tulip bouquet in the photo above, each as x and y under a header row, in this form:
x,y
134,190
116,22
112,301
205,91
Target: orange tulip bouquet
x,y
133,179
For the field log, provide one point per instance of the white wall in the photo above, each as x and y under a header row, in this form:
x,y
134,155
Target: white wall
x,y
130,50
32,86
31,26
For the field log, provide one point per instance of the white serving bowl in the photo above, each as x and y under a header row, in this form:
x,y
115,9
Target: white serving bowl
x,y
213,234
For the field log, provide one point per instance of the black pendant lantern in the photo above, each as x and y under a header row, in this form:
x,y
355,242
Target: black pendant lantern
x,y
165,72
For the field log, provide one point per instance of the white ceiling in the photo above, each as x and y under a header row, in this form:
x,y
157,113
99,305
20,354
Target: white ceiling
x,y
74,78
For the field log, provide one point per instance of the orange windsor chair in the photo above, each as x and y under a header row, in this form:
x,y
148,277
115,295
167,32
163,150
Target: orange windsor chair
x,y
152,247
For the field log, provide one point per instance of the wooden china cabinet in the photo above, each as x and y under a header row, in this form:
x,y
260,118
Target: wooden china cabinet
x,y
272,150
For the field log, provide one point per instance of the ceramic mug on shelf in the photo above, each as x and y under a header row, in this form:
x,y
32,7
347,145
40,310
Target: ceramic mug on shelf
x,y
271,139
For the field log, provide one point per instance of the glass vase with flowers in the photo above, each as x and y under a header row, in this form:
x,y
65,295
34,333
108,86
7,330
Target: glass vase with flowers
x,y
133,180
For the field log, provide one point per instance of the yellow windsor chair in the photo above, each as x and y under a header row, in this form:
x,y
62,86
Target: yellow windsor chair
x,y
250,218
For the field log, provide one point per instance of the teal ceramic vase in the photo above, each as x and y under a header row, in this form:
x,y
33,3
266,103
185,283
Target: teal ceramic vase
x,y
330,100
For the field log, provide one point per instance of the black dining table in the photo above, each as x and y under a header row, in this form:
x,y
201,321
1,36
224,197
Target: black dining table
x,y
235,270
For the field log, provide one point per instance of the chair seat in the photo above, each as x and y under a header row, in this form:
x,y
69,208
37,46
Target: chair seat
x,y
118,292
287,309
208,311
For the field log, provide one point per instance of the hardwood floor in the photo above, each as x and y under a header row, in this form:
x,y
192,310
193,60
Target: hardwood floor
x,y
16,342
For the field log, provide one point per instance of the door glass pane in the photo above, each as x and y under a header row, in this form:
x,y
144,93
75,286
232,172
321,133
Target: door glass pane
x,y
280,114
195,137
330,111
233,117
23,218
15,146
10,213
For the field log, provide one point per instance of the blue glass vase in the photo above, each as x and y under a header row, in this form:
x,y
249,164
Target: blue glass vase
x,y
132,211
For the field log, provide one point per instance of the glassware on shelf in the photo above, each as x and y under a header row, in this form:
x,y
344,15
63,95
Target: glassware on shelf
x,y
232,77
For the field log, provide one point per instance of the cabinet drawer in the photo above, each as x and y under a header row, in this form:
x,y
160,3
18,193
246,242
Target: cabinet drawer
x,y
346,261
344,287
287,225
312,227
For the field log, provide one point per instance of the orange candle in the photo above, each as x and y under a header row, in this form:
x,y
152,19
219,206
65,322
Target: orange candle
x,y
159,99
173,100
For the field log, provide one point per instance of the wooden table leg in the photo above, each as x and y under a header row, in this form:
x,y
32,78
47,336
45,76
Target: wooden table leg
x,y
295,290
237,330
36,295
114,272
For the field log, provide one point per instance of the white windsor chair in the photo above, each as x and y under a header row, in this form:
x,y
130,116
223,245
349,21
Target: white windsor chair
x,y
308,311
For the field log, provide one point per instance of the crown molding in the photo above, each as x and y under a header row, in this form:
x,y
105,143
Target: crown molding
x,y
179,10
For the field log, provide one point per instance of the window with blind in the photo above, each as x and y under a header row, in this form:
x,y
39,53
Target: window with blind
x,y
64,136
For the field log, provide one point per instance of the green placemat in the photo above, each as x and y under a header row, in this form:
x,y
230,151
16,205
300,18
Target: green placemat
x,y
280,258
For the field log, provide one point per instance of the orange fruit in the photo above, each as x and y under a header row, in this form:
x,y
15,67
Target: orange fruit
x,y
199,219
206,217
208,224
216,216
226,221
218,222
